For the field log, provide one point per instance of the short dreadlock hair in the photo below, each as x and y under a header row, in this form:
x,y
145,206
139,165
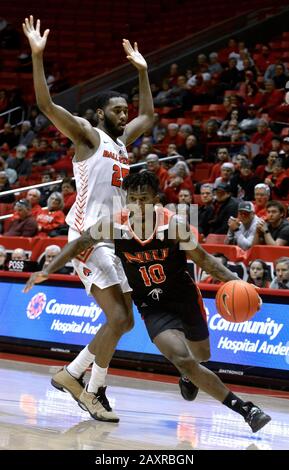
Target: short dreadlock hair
x,y
144,178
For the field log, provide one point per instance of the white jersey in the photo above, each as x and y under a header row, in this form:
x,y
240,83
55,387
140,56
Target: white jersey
x,y
99,184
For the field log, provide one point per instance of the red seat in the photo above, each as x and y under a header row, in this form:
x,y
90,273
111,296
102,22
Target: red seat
x,y
233,252
216,238
267,253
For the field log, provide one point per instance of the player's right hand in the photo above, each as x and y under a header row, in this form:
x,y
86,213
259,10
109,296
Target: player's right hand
x,y
35,278
36,41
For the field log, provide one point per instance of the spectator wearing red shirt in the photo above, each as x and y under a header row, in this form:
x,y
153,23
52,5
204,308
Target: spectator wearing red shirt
x,y
153,165
33,196
51,218
180,178
262,196
278,181
68,192
263,137
271,98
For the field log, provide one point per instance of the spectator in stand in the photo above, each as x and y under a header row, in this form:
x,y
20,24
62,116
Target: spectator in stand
x,y
278,181
276,143
173,136
24,225
179,178
191,150
263,171
271,98
225,206
153,165
258,273
8,137
5,186
5,152
18,255
68,191
281,281
46,191
214,65
265,58
144,150
210,136
262,196
3,258
10,173
280,78
37,119
26,134
206,210
251,122
207,278
243,184
243,228
227,171
230,77
19,162
51,251
52,218
284,153
222,157
274,231
271,69
262,138
33,196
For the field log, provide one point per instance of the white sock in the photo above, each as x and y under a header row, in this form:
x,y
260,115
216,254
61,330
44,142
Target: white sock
x,y
80,363
97,378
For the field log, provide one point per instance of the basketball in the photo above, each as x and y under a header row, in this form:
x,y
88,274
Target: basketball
x,y
237,301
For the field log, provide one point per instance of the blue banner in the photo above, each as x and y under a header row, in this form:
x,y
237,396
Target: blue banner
x,y
66,315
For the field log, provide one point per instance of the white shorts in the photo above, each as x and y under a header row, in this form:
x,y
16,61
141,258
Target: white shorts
x,y
101,267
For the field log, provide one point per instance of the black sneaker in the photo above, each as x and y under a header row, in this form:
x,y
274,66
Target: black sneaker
x,y
256,418
188,390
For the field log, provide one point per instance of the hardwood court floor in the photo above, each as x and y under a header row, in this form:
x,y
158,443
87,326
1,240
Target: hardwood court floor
x,y
153,415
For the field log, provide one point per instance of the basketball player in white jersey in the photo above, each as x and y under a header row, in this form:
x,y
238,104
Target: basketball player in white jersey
x,y
100,164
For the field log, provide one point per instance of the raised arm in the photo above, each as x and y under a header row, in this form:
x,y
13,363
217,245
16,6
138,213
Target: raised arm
x,y
187,239
73,127
144,121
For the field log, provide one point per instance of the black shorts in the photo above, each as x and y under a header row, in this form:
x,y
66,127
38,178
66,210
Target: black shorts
x,y
187,315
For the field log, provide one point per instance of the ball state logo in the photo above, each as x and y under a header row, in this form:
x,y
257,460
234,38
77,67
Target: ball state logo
x,y
86,272
36,306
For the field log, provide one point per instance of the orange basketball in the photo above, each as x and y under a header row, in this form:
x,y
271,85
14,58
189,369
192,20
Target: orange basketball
x,y
237,301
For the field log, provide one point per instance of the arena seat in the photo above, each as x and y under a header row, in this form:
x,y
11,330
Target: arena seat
x,y
215,238
265,252
233,252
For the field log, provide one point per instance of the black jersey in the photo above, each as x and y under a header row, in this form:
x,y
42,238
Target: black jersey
x,y
156,268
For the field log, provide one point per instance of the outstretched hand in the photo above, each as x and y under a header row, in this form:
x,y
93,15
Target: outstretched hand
x,y
133,55
35,278
36,41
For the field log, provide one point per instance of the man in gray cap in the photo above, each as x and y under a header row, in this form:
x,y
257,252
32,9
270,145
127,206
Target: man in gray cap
x,y
242,229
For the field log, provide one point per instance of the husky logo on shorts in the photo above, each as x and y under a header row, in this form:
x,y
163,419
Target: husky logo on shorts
x,y
36,306
86,272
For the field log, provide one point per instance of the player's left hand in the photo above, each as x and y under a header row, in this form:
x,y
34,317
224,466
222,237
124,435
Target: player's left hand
x,y
35,278
133,55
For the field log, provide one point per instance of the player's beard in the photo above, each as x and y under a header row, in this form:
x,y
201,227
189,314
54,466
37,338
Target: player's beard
x,y
111,128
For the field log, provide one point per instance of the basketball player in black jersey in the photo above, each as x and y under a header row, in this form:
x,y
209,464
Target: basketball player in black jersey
x,y
167,298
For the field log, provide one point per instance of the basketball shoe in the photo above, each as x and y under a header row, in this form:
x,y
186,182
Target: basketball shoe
x,y
97,405
189,391
256,418
65,382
